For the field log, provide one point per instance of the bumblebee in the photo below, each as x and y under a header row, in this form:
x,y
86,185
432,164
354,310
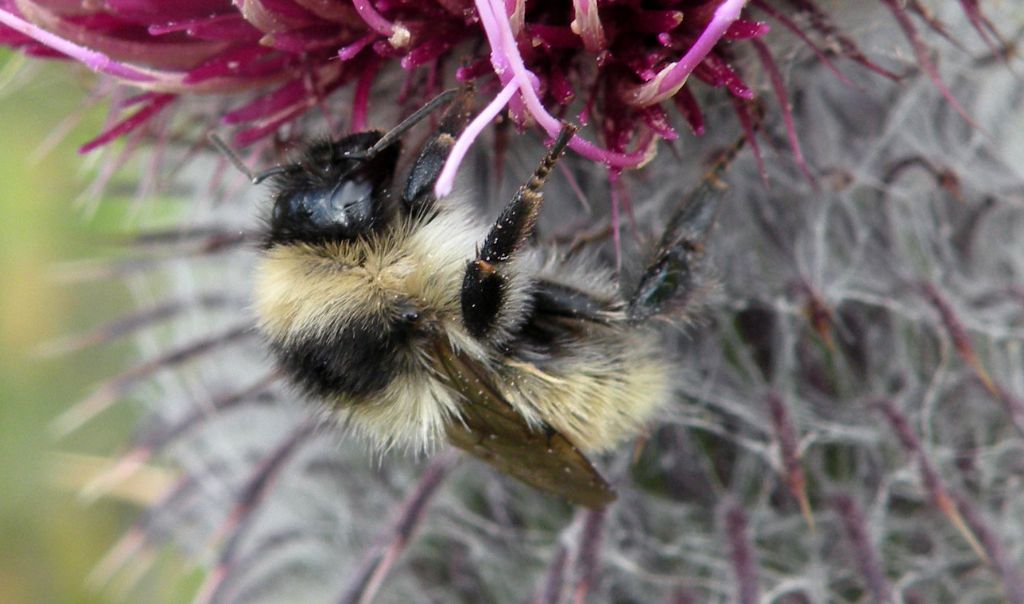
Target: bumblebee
x,y
416,322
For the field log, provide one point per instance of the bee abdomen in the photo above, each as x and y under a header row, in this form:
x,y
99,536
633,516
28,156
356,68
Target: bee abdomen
x,y
352,364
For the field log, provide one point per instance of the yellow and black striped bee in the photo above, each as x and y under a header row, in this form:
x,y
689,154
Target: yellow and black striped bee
x,y
415,321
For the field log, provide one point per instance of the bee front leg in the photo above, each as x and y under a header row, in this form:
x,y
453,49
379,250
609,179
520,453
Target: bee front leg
x,y
671,280
484,287
419,196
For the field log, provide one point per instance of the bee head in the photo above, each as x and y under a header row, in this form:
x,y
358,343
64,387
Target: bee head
x,y
336,191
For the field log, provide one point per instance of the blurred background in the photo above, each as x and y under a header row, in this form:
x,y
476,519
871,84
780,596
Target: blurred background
x,y
50,538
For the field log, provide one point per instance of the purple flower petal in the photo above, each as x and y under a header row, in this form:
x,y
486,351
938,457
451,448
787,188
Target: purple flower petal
x,y
229,27
243,62
140,117
742,29
672,77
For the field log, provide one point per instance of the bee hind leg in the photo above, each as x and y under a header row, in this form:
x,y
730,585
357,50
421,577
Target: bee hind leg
x,y
484,285
671,281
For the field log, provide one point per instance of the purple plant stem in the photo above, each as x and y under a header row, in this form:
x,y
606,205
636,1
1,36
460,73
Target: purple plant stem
x,y
554,580
247,502
132,460
110,391
984,27
799,33
926,15
378,561
787,108
682,595
750,123
741,553
1009,572
587,557
786,436
820,21
129,324
937,490
864,551
135,539
575,187
921,52
234,587
965,348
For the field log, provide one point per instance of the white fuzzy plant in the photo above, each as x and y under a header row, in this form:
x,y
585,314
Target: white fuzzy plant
x,y
850,409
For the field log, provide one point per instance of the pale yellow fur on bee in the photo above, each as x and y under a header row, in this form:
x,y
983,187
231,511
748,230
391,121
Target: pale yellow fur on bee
x,y
598,392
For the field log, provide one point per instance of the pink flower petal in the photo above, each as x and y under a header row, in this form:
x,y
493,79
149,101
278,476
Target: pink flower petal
x,y
230,27
306,39
361,97
687,105
244,62
655,21
508,63
552,36
398,35
270,17
586,24
671,78
716,71
657,120
150,12
346,53
288,95
119,40
446,180
95,61
430,50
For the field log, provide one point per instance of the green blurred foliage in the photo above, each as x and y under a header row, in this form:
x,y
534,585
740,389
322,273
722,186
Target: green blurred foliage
x,y
49,538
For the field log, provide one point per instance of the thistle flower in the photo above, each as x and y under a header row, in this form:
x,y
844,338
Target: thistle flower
x,y
895,276
617,65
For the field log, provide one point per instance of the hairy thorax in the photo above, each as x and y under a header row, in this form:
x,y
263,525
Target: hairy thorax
x,y
356,324
351,323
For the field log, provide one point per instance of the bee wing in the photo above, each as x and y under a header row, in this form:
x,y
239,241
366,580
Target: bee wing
x,y
492,431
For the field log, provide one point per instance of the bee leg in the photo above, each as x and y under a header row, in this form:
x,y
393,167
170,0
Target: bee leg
x,y
484,284
670,282
419,188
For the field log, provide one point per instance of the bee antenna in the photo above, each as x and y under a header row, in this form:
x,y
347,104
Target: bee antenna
x,y
236,161
554,152
405,125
